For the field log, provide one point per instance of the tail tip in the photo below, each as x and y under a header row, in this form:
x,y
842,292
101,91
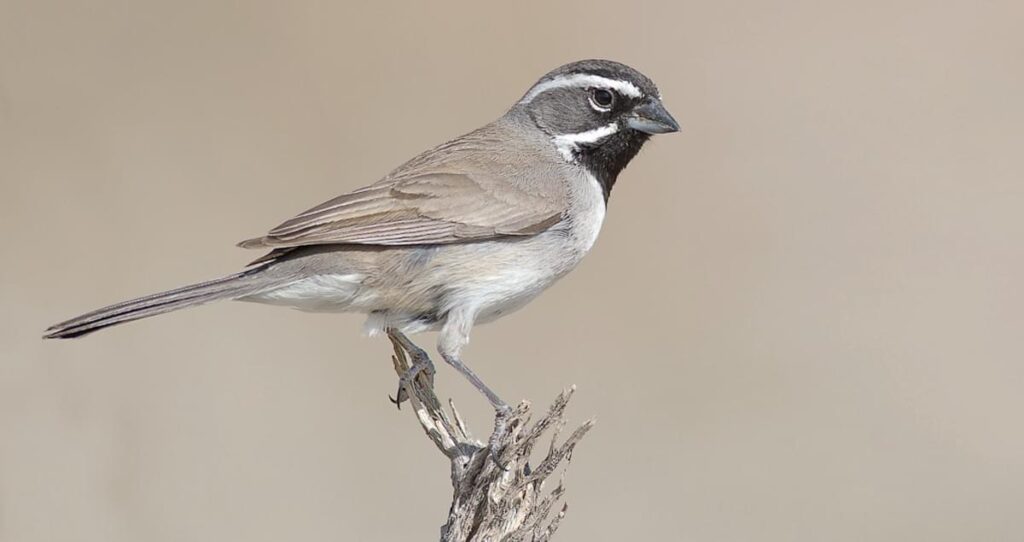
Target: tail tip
x,y
61,332
53,334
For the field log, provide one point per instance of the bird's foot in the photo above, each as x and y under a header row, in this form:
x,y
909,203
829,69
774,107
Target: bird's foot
x,y
421,363
502,417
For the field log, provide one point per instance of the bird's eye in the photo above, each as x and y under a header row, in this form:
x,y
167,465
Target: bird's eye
x,y
602,99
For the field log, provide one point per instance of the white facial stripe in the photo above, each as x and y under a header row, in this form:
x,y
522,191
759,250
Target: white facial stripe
x,y
567,144
583,80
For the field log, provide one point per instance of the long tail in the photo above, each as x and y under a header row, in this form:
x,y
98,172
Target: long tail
x,y
229,287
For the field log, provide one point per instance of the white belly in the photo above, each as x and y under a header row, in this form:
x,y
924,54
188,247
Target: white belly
x,y
506,291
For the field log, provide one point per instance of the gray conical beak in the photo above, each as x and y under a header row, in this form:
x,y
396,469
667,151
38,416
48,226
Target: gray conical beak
x,y
651,117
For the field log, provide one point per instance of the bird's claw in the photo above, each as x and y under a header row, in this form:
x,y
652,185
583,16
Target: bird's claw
x,y
421,363
502,416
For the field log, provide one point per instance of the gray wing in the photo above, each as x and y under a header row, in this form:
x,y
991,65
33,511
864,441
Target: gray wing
x,y
432,208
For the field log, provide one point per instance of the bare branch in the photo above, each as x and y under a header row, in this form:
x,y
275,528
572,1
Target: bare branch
x,y
497,495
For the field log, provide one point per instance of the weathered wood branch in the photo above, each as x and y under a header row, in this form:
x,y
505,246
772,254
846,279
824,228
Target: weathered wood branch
x,y
498,495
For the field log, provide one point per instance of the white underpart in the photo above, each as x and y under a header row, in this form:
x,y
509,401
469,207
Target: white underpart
x,y
530,267
589,223
568,144
377,322
317,293
585,81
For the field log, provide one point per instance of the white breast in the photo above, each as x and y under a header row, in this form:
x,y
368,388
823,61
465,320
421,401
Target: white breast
x,y
530,266
588,213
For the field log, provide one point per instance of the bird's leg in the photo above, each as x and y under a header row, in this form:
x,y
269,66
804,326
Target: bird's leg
x,y
496,402
455,335
420,363
502,412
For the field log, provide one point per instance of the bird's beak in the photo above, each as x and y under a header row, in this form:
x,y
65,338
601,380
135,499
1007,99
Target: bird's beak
x,y
651,117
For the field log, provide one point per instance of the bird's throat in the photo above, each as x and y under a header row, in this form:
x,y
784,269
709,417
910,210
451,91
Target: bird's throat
x,y
607,160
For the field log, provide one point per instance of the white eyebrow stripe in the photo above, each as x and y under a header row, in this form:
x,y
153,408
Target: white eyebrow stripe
x,y
567,144
583,80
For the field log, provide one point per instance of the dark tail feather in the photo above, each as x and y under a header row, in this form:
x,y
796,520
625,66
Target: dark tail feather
x,y
229,287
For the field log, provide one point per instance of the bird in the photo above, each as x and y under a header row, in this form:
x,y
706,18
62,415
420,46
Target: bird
x,y
459,235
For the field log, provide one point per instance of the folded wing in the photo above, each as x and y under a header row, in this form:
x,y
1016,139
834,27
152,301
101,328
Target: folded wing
x,y
433,208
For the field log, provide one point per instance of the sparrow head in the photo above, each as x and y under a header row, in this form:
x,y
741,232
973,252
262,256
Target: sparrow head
x,y
598,114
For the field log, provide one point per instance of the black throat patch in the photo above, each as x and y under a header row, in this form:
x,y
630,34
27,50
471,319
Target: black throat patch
x,y
607,160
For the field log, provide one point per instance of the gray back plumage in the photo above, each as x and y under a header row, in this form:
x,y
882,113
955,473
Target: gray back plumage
x,y
479,186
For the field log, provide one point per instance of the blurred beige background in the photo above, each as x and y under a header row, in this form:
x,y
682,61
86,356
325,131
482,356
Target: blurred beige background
x,y
805,311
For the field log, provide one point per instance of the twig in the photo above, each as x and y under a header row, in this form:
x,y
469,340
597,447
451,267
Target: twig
x,y
498,496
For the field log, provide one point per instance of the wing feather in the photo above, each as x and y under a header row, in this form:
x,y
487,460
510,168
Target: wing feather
x,y
429,208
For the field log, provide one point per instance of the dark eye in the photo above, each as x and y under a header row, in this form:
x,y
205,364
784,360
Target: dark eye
x,y
602,99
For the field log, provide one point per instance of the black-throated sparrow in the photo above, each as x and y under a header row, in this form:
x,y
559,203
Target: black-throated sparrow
x,y
463,233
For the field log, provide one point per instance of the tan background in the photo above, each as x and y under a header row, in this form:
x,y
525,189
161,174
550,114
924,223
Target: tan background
x,y
803,320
